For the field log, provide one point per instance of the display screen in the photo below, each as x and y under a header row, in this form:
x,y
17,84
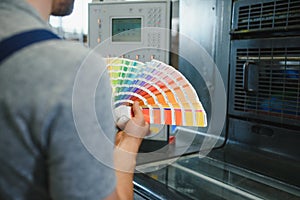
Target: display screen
x,y
126,29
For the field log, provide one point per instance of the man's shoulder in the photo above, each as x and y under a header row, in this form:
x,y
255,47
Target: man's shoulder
x,y
59,55
65,49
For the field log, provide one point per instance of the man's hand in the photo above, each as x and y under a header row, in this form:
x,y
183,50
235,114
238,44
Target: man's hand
x,y
127,145
128,141
134,132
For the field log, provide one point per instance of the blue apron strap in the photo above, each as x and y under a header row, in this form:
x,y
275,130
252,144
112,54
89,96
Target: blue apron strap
x,y
16,42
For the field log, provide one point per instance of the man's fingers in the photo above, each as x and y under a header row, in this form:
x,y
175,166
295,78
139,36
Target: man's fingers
x,y
148,128
137,111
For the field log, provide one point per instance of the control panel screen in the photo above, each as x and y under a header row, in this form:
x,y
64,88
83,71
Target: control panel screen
x,y
126,29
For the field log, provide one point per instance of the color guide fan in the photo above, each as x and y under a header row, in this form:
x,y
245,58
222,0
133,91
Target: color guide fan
x,y
164,94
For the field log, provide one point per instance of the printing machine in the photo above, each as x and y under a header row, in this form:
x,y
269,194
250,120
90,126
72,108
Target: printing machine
x,y
243,59
255,45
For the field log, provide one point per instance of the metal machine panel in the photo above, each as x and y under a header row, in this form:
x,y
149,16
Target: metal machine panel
x,y
136,30
264,90
121,25
266,15
207,22
265,80
266,138
276,150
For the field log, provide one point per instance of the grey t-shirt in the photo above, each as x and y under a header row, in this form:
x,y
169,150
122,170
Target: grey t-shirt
x,y
44,146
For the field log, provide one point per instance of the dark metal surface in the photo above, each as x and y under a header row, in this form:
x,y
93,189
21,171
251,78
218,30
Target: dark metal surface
x,y
266,16
149,188
275,63
230,173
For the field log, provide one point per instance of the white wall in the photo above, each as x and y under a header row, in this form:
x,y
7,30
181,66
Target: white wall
x,y
77,22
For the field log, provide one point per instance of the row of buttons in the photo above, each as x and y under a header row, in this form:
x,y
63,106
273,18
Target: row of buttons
x,y
154,39
154,17
136,57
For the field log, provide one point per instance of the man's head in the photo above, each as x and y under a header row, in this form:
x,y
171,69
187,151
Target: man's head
x,y
52,7
62,7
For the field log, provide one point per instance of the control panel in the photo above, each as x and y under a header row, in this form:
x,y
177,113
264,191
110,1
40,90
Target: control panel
x,y
136,27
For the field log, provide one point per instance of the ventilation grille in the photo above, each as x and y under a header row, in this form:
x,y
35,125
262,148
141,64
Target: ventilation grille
x,y
280,14
277,91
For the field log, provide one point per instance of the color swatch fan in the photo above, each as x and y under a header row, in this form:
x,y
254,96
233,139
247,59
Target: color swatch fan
x,y
164,94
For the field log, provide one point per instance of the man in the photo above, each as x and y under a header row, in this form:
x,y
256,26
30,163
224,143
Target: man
x,y
41,153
